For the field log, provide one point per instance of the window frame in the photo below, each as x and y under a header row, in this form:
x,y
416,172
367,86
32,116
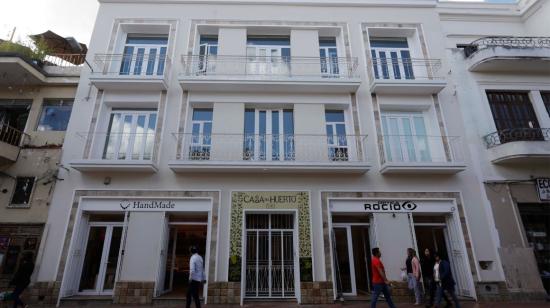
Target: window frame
x,y
62,102
31,193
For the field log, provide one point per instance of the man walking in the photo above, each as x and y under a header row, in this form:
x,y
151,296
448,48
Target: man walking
x,y
427,264
196,277
445,282
380,283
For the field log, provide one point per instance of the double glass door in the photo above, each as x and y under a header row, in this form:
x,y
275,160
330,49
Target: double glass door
x,y
101,259
131,135
352,259
269,135
405,137
144,55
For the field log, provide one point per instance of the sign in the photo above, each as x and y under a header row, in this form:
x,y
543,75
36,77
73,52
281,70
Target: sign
x,y
543,189
146,204
270,199
390,206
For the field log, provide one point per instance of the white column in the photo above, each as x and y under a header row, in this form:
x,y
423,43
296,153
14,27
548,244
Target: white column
x,y
310,133
231,42
540,109
305,43
227,131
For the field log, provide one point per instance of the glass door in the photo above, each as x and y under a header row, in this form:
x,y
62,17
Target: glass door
x,y
131,135
208,51
338,149
101,260
329,57
405,137
345,267
269,135
391,58
268,55
144,55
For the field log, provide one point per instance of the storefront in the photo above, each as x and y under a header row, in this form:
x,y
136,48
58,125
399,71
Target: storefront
x,y
394,224
124,243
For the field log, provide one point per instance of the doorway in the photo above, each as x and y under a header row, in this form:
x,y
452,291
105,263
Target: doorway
x,y
181,237
100,259
352,259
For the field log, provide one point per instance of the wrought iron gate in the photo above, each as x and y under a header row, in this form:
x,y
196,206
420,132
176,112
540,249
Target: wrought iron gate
x,y
269,256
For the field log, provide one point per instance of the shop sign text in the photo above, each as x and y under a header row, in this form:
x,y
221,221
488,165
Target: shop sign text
x,y
390,206
543,188
147,204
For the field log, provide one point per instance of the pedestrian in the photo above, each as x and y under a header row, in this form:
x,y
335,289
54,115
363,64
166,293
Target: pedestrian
x,y
444,280
427,263
380,283
22,279
196,277
412,265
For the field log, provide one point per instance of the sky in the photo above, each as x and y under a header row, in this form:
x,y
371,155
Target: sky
x,y
65,17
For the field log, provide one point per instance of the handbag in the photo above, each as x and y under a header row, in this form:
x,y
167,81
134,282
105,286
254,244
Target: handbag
x,y
404,275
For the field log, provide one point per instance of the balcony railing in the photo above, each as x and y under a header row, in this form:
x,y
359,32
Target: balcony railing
x,y
12,136
132,65
405,69
516,134
269,67
510,42
120,146
421,149
65,60
267,149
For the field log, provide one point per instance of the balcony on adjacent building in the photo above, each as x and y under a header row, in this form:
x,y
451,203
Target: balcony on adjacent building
x,y
419,154
263,153
11,141
17,69
120,152
519,145
398,75
270,73
131,71
509,54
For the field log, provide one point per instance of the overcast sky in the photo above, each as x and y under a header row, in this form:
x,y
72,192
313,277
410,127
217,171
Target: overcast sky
x,y
65,17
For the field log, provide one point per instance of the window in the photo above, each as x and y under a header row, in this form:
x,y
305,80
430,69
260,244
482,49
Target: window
x,y
391,58
546,99
201,139
55,115
23,190
336,135
14,112
144,55
131,135
268,55
329,56
405,137
514,116
269,134
208,50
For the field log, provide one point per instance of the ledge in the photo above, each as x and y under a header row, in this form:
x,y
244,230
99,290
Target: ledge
x,y
115,82
102,165
404,86
422,168
522,152
268,167
508,59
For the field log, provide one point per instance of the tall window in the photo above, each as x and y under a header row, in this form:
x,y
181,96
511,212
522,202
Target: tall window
x,y
55,115
208,50
329,56
144,55
405,137
22,192
391,58
514,116
131,135
267,55
201,139
336,135
269,134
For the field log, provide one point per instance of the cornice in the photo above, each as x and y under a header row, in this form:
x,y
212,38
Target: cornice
x,y
487,12
325,3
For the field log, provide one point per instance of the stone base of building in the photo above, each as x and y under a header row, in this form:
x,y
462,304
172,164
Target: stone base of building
x,y
317,292
401,293
134,292
43,292
498,292
224,293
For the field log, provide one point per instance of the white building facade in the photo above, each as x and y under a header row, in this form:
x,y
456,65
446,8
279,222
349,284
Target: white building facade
x,y
283,139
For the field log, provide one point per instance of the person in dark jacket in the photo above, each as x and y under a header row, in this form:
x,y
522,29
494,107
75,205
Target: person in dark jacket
x,y
445,282
22,279
427,263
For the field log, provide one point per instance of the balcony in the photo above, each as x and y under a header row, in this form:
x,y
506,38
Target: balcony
x,y
241,153
11,140
405,76
16,69
274,74
118,152
406,154
519,145
131,72
509,54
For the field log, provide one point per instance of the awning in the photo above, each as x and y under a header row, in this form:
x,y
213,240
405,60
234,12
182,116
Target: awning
x,y
62,47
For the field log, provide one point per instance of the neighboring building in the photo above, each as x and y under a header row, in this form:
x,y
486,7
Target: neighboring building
x,y
501,76
285,139
36,99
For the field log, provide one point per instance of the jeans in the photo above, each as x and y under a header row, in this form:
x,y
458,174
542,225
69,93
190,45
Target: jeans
x,y
431,287
415,284
16,293
193,292
378,288
441,292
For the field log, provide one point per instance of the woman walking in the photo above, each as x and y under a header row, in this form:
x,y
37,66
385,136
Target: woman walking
x,y
22,279
413,275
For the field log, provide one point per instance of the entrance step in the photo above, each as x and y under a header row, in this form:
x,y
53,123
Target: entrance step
x,y
91,301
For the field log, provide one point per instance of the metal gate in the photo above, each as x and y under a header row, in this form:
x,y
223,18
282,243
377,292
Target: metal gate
x,y
269,256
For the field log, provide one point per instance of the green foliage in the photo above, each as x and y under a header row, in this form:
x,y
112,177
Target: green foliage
x,y
306,269
37,51
234,268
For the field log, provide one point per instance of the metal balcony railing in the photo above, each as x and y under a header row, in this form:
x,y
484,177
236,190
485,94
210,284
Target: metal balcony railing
x,y
132,65
12,136
516,134
269,67
119,146
507,42
404,69
65,60
271,148
416,149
